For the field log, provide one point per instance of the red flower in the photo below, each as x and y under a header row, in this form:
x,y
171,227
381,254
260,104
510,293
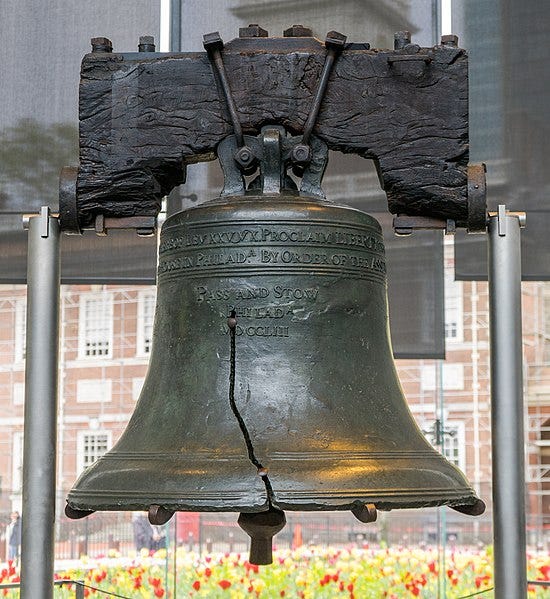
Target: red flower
x,y
282,593
350,587
415,591
196,585
155,582
225,584
208,572
159,592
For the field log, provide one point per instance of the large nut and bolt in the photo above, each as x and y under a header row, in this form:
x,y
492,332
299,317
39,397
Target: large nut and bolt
x,y
253,30
146,43
101,44
297,31
245,158
301,154
449,40
335,40
401,39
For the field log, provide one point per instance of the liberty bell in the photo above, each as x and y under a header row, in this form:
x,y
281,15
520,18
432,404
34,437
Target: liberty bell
x,y
271,384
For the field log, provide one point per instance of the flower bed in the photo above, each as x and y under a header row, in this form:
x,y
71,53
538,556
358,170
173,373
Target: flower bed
x,y
311,572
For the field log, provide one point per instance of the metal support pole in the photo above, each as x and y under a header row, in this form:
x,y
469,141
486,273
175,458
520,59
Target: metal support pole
x,y
175,25
39,451
510,568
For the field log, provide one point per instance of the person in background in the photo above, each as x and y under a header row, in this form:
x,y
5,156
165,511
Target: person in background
x,y
143,531
159,538
13,534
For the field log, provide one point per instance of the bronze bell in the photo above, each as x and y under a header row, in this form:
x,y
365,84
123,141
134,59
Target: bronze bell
x,y
271,384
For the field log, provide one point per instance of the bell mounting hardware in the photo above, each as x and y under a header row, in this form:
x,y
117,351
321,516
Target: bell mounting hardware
x,y
271,384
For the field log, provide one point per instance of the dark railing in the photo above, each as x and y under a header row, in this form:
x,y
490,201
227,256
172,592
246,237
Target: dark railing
x,y
78,593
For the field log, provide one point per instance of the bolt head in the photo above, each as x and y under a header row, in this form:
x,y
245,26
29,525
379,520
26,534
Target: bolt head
x,y
212,41
245,158
253,30
101,44
335,40
146,43
401,39
449,40
297,31
301,154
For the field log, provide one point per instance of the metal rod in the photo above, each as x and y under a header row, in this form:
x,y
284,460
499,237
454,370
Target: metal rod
x,y
175,25
510,568
39,451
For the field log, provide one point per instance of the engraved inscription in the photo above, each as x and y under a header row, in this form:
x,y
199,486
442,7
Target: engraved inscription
x,y
203,293
258,331
324,236
332,249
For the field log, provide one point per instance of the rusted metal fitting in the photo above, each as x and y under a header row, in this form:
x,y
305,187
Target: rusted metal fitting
x,y
101,44
301,154
146,43
297,31
253,30
159,515
365,513
449,40
212,41
477,199
335,41
245,159
401,39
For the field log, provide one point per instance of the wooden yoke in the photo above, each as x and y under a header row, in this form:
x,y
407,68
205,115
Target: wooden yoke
x,y
145,116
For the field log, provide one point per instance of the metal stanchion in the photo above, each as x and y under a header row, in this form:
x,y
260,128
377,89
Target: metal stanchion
x,y
510,568
39,452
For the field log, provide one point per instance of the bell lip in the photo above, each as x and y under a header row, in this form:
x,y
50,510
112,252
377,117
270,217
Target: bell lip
x,y
467,503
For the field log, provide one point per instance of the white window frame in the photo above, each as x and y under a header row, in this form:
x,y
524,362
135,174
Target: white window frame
x,y
143,341
82,322
453,377
454,310
20,340
85,392
458,440
81,464
17,462
18,394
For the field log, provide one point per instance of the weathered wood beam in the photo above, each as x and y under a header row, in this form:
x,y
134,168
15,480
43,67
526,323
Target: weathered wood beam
x,y
144,116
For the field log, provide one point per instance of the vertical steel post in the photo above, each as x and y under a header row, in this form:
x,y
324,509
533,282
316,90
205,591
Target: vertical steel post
x,y
39,450
175,25
510,568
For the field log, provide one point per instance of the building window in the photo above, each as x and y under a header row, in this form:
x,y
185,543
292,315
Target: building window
x,y
454,442
546,299
146,315
17,462
452,375
91,446
96,326
137,385
454,327
18,394
93,390
20,330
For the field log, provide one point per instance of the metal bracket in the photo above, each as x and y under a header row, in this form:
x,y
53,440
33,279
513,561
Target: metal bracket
x,y
273,149
406,225
501,215
144,225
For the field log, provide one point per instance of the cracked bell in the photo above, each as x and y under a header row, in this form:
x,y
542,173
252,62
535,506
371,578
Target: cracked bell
x,y
317,401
